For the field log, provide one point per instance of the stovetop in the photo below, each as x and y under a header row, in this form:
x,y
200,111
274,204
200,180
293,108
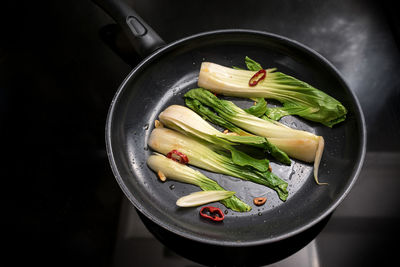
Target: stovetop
x,y
61,63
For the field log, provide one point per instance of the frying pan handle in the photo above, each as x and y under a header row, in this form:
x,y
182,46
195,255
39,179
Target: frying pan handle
x,y
143,38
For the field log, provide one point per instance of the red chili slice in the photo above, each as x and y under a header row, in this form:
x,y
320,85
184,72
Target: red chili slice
x,y
212,213
178,156
259,76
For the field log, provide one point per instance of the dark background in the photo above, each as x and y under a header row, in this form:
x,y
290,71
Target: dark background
x,y
58,74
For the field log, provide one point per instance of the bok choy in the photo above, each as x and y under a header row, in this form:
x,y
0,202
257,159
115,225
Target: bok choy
x,y
182,173
296,143
188,122
203,197
297,97
201,155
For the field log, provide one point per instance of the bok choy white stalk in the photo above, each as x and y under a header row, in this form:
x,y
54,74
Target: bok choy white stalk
x,y
188,122
296,143
203,197
182,173
200,154
297,97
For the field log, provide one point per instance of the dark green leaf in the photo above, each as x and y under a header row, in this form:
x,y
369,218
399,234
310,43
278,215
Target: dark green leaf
x,y
242,159
259,108
207,114
252,65
300,98
232,202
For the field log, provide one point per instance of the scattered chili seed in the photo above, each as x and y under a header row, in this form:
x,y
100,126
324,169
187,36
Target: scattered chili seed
x,y
269,168
257,77
178,156
258,201
226,131
212,213
161,176
158,124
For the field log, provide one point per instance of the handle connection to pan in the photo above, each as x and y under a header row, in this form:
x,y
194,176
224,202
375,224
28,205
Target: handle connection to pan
x,y
143,38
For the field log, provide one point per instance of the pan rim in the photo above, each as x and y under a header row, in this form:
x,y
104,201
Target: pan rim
x,y
357,169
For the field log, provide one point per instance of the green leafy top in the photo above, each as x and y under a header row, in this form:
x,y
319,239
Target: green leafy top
x,y
300,98
252,65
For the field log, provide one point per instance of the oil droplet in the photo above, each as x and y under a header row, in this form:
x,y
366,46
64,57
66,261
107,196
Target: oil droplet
x,y
226,211
172,187
146,126
259,214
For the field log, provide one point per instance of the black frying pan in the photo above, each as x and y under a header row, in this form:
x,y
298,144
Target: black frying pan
x,y
166,74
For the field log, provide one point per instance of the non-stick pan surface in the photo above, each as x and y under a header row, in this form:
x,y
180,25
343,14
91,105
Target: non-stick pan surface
x,y
162,79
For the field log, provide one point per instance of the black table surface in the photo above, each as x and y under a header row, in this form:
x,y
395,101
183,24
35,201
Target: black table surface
x,y
61,63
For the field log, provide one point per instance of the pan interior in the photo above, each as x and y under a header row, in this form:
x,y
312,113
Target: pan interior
x,y
162,79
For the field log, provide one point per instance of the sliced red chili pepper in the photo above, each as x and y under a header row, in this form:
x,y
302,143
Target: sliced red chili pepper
x,y
259,76
178,156
212,213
